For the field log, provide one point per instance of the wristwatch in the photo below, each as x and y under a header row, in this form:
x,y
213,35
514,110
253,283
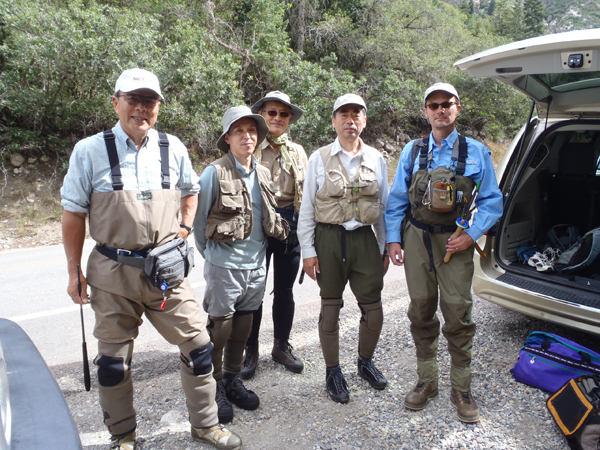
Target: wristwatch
x,y
187,227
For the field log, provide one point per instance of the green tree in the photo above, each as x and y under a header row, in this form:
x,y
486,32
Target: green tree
x,y
533,18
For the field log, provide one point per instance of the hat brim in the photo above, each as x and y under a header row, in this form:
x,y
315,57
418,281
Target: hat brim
x,y
130,88
261,125
295,110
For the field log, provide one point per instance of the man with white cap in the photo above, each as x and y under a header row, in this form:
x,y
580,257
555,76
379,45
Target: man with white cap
x,y
435,183
140,191
342,234
235,212
287,162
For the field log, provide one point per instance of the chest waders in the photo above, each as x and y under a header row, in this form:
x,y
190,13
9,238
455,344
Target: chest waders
x,y
421,214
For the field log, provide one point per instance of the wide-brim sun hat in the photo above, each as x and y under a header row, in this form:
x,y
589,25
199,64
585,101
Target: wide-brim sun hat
x,y
134,79
349,99
444,87
278,96
236,113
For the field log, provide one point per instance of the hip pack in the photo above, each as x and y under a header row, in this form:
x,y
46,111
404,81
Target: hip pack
x,y
548,361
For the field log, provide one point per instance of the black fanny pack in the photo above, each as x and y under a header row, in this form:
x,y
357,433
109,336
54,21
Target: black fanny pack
x,y
168,264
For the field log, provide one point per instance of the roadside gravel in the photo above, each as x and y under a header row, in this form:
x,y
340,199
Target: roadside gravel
x,y
296,413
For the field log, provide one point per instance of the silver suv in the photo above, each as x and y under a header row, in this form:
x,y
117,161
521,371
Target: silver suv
x,y
550,177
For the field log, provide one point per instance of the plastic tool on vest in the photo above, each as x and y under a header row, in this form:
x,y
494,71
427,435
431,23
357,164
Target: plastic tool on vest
x,y
86,364
163,288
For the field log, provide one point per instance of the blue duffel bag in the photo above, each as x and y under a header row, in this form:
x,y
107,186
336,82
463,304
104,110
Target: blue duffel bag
x,y
548,361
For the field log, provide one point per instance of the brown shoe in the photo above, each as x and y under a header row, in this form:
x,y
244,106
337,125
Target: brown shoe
x,y
418,398
465,405
282,354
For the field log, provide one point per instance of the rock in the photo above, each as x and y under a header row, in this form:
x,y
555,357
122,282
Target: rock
x,y
45,158
173,417
404,138
32,160
391,148
16,170
386,155
17,160
379,143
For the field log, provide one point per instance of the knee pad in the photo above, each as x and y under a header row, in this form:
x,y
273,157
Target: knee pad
x,y
199,361
111,370
372,315
330,314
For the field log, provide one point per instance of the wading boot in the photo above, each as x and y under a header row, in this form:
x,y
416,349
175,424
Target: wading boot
x,y
418,398
282,354
219,436
465,405
123,443
225,410
368,371
336,385
238,394
250,361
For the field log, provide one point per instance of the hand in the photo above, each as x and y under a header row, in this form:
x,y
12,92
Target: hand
x,y
311,267
460,243
386,263
395,251
73,289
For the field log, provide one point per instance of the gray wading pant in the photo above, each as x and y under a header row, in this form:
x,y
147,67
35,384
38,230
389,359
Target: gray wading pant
x,y
363,268
454,281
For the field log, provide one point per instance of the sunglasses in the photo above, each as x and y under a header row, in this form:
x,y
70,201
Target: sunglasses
x,y
444,105
281,113
134,100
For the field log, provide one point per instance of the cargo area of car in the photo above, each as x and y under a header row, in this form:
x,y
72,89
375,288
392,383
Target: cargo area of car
x,y
560,185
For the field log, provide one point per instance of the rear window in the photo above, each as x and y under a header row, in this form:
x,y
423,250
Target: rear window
x,y
566,82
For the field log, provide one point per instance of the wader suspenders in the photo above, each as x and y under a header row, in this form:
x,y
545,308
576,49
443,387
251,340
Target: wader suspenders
x,y
459,157
121,255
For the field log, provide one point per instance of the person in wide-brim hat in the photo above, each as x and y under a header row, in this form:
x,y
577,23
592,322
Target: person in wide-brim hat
x,y
287,163
236,113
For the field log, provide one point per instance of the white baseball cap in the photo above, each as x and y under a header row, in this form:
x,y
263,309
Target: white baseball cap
x,y
349,99
445,87
134,79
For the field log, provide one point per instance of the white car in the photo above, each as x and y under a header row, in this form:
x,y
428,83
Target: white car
x,y
550,178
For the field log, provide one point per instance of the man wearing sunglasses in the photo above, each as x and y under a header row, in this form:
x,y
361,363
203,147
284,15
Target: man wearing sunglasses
x,y
140,191
428,233
286,161
342,233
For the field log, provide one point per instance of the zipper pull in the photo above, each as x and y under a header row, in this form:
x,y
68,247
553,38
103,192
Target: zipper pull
x,y
532,360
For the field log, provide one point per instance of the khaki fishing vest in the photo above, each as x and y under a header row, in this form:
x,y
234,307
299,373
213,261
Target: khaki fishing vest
x,y
230,218
340,200
289,192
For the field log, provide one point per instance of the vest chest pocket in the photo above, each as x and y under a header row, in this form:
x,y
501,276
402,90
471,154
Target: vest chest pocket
x,y
232,199
367,181
334,183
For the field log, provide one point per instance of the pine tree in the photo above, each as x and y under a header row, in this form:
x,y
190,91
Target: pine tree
x,y
533,18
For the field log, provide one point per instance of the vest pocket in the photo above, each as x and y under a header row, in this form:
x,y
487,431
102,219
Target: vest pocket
x,y
229,230
369,211
334,183
368,181
231,195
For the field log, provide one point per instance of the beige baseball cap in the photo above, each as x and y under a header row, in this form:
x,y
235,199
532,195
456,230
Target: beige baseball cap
x,y
349,99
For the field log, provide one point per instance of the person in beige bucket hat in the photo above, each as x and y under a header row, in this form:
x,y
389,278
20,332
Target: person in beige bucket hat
x,y
236,211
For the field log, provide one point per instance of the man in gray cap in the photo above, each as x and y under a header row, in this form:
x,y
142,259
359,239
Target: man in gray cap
x,y
235,212
434,187
345,193
134,182
287,163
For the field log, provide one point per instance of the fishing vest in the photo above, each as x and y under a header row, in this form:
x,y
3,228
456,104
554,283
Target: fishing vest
x,y
231,218
340,199
297,170
421,183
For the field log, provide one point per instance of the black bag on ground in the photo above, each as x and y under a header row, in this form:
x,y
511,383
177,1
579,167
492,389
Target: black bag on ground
x,y
170,263
575,408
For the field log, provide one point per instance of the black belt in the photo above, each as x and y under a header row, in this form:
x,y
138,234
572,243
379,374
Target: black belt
x,y
123,256
436,229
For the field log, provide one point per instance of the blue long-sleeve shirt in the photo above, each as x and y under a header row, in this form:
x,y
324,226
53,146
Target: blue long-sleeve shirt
x,y
478,167
249,253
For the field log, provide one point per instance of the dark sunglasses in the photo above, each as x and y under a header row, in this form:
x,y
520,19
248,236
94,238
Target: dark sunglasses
x,y
281,113
445,105
134,100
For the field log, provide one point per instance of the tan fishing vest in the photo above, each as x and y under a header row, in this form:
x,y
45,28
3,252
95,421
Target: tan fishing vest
x,y
230,218
288,189
340,200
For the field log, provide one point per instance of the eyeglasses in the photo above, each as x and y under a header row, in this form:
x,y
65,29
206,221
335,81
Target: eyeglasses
x,y
134,100
445,105
283,114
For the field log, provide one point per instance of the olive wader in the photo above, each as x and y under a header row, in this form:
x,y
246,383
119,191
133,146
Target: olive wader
x,y
120,294
424,241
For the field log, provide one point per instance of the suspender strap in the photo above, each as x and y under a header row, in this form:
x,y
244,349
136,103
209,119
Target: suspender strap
x,y
113,159
424,144
462,155
426,235
163,142
459,153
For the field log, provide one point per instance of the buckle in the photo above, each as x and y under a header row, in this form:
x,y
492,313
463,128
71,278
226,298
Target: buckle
x,y
122,250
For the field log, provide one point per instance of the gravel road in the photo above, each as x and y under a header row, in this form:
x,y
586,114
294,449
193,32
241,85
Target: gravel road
x,y
296,413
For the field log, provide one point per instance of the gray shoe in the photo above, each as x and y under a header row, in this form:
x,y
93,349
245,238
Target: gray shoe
x,y
282,354
219,436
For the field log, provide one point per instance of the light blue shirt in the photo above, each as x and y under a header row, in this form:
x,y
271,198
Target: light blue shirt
x,y
478,167
89,168
249,253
